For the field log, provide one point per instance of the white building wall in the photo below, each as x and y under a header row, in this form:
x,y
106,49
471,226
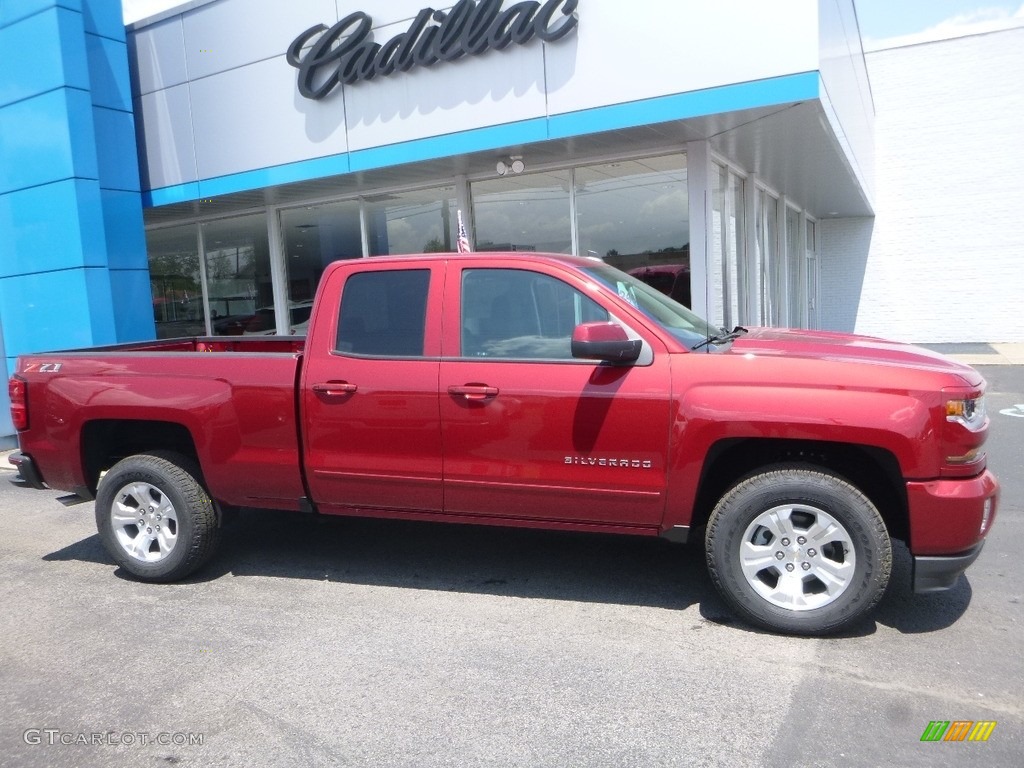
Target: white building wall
x,y
943,261
216,96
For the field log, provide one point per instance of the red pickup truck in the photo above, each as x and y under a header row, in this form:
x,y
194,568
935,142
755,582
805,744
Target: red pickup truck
x,y
532,390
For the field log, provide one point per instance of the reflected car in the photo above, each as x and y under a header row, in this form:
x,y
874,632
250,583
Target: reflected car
x,y
671,279
264,322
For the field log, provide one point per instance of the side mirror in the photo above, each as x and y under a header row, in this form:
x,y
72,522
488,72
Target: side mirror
x,y
607,342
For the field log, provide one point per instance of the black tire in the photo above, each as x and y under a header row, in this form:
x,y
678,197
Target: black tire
x,y
802,584
177,531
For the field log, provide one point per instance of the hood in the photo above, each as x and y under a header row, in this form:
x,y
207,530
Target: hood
x,y
843,347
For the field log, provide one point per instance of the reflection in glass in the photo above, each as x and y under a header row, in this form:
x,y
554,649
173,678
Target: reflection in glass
x,y
175,282
411,222
523,213
314,236
635,215
238,274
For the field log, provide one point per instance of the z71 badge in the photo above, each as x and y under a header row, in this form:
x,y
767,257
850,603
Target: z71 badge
x,y
43,367
592,461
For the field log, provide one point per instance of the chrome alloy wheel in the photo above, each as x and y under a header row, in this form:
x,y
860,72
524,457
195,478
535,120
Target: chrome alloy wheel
x,y
144,522
797,557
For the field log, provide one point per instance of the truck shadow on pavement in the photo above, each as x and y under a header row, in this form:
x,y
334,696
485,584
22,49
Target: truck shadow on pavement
x,y
514,562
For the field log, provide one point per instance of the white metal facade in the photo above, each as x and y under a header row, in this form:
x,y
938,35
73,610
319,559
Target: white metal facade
x,y
942,261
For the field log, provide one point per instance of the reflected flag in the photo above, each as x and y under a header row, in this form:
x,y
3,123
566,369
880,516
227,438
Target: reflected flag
x,y
463,237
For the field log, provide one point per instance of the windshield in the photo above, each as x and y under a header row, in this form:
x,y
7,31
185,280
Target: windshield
x,y
670,315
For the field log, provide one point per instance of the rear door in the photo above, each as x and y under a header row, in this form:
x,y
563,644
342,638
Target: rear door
x,y
369,391
528,431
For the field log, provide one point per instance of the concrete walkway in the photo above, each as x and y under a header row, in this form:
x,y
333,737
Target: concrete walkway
x,y
982,354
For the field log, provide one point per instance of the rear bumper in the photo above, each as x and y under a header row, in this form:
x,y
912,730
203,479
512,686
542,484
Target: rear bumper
x,y
937,574
28,475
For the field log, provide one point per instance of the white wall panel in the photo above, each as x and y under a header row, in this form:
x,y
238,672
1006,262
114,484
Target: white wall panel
x,y
638,50
158,56
389,12
493,88
844,73
233,33
253,117
164,126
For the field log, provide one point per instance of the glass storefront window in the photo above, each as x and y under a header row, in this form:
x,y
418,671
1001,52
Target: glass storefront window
x,y
238,275
423,221
175,281
726,276
528,212
314,236
635,216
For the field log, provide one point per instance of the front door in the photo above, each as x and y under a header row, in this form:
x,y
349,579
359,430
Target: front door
x,y
529,432
373,434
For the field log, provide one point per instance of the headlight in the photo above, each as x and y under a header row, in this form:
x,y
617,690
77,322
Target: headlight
x,y
968,412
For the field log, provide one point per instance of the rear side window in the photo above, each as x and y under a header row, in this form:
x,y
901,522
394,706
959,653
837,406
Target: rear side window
x,y
384,313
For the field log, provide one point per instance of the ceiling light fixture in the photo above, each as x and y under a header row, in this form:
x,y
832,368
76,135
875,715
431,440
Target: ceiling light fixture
x,y
513,164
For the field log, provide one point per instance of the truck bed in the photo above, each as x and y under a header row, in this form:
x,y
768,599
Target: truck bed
x,y
254,344
235,410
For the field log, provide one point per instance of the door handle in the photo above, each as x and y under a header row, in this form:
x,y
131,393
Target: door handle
x,y
474,391
335,389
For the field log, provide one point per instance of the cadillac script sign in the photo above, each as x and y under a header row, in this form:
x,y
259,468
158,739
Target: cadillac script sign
x,y
347,53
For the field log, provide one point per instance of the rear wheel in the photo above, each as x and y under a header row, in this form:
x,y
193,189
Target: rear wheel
x,y
797,550
155,518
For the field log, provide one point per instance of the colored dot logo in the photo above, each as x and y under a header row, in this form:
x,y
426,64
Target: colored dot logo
x,y
958,730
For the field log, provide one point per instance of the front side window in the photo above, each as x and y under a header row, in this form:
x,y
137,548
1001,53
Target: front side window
x,y
669,314
384,313
522,315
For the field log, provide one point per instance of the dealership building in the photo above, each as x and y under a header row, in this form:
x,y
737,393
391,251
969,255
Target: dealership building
x,y
194,173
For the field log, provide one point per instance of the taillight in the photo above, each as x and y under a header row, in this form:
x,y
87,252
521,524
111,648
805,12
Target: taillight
x,y
17,389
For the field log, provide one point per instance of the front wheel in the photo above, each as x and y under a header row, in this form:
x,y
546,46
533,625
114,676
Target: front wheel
x,y
797,550
155,518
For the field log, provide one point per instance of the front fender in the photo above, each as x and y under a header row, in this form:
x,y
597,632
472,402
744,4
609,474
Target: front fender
x,y
898,423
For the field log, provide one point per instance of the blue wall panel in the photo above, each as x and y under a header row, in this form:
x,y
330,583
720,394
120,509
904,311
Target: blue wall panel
x,y
118,131
104,17
51,227
15,10
108,72
124,230
130,290
70,208
57,310
47,138
25,74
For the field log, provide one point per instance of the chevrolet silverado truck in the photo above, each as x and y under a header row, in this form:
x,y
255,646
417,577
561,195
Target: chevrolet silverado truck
x,y
532,390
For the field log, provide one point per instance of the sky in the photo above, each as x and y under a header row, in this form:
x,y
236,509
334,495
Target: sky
x,y
883,23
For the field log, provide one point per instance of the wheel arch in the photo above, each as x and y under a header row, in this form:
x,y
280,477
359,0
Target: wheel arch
x,y
105,442
875,471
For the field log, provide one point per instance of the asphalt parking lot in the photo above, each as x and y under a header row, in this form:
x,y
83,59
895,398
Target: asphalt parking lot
x,y
363,643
